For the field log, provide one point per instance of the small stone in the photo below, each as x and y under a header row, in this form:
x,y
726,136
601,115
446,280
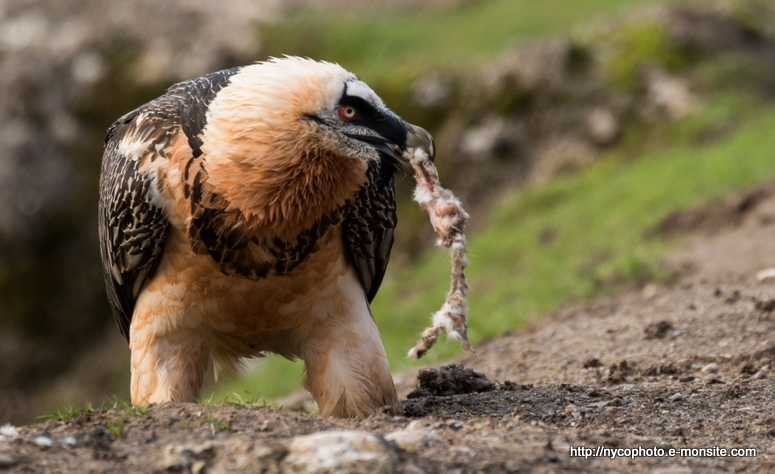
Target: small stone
x,y
43,441
416,425
765,274
69,440
602,126
413,440
8,431
599,405
187,457
573,411
464,450
675,397
712,378
198,467
759,375
454,425
334,452
668,94
711,368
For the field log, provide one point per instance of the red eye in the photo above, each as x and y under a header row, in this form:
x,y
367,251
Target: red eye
x,y
347,112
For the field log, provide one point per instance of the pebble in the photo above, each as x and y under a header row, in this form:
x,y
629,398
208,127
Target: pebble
x,y
765,274
413,440
712,378
8,431
43,441
711,368
187,457
454,425
675,397
464,451
759,375
573,410
335,452
600,404
69,440
416,425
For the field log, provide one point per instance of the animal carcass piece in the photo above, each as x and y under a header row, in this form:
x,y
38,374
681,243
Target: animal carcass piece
x,y
448,219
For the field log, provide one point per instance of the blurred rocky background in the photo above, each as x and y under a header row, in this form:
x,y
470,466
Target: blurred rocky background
x,y
67,70
545,106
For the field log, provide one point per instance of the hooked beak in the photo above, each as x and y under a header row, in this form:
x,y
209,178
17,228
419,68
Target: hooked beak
x,y
416,137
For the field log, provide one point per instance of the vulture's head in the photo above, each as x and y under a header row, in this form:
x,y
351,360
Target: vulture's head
x,y
296,117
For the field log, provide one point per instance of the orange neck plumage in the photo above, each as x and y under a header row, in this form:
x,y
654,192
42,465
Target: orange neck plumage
x,y
287,195
293,197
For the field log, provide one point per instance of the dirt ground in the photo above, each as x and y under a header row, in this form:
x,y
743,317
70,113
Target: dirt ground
x,y
685,365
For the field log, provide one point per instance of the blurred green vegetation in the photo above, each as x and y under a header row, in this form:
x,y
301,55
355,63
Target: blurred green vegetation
x,y
380,45
638,44
389,50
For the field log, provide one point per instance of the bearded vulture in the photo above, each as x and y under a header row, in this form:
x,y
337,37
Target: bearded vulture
x,y
252,211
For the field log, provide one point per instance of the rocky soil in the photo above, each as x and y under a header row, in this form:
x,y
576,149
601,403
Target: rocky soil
x,y
685,365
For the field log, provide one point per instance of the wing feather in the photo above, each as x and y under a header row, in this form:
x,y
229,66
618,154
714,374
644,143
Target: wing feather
x,y
132,224
132,228
368,227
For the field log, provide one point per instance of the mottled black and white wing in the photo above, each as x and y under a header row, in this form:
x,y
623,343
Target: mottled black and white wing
x,y
132,227
368,227
132,224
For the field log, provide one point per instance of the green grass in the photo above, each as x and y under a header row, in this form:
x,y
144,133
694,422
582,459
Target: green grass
x,y
393,44
597,219
67,412
118,412
270,377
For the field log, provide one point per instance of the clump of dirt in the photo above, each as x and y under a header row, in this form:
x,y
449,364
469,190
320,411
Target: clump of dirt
x,y
617,373
658,330
451,379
